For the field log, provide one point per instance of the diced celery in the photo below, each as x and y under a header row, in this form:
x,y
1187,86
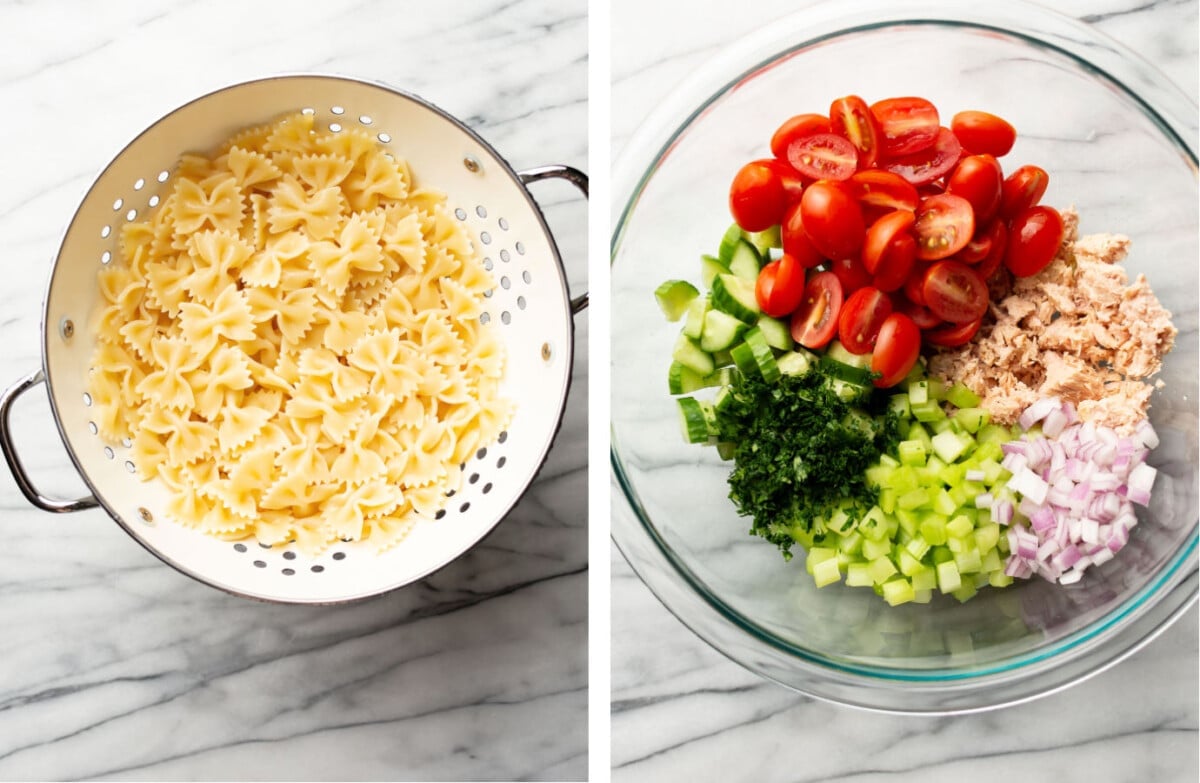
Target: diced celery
x,y
959,527
924,579
943,503
913,498
937,390
952,475
858,575
875,549
992,471
840,522
989,451
943,424
889,461
909,565
947,577
880,569
927,411
880,475
960,396
994,433
851,543
941,554
949,446
918,546
992,562
826,572
922,596
874,524
909,521
968,561
957,545
898,404
818,554
965,592
961,497
933,528
972,419
887,500
918,393
897,591
999,579
987,536
912,452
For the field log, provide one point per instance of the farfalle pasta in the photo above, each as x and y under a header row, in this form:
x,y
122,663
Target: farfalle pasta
x,y
291,341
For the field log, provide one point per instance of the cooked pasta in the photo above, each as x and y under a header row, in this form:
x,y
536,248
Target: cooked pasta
x,y
291,342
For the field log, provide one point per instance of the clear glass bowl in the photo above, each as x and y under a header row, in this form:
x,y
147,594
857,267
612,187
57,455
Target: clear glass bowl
x,y
1120,143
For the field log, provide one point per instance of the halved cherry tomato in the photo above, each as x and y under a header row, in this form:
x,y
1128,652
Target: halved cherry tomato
x,y
780,286
914,286
927,165
1034,237
832,219
976,250
823,156
850,117
922,316
756,197
795,242
885,189
944,225
862,315
1021,190
977,178
909,124
998,234
953,335
880,235
793,182
896,350
896,264
851,273
814,324
981,133
795,128
955,292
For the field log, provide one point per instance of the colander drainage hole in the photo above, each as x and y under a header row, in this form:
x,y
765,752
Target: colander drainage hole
x,y
504,256
481,453
479,210
289,555
487,264
154,201
260,564
339,555
505,283
105,257
474,478
520,249
141,183
487,487
337,110
485,318
501,462
528,278
289,571
485,237
440,514
463,508
365,120
335,127
92,428
108,452
129,466
384,138
460,213
104,232
521,302
239,547
505,318
503,436
118,204
318,569
163,175
503,224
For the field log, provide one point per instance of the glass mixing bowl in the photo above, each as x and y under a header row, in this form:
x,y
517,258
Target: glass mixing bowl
x,y
1120,143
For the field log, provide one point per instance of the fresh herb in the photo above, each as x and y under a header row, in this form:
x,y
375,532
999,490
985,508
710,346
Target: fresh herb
x,y
801,451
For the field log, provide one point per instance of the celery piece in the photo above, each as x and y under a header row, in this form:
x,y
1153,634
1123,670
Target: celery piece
x,y
991,562
957,545
968,561
880,569
912,452
858,575
908,521
961,497
965,592
949,446
918,546
987,536
874,524
972,419
941,554
989,451
960,396
875,549
999,579
889,461
897,591
992,470
943,503
943,424
826,572
918,393
927,411
953,475
887,500
937,390
933,528
903,479
994,433
947,577
898,404
924,579
959,527
880,475
840,522
851,543
922,596
909,565
913,498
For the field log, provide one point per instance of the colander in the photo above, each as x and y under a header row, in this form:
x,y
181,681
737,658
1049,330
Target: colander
x,y
530,308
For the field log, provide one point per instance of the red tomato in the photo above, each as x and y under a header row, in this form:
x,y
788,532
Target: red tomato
x,y
953,335
862,315
850,117
977,178
815,323
832,219
927,165
795,242
823,156
880,235
922,316
976,250
756,197
794,128
998,235
780,286
909,124
955,292
982,133
1034,237
896,264
884,189
914,286
944,225
896,350
1021,190
850,273
793,182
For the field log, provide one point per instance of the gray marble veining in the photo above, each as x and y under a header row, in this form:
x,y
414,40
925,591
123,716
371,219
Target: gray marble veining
x,y
114,666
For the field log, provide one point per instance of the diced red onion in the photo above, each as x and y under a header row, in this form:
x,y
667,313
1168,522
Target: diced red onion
x,y
975,475
984,500
1146,434
1038,411
1054,423
1002,512
1070,577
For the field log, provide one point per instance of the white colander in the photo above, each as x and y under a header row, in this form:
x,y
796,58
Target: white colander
x,y
530,307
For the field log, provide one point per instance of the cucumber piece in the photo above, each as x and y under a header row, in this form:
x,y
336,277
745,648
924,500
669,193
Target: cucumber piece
x,y
693,325
723,400
745,261
778,333
721,331
735,296
722,376
710,267
725,250
683,380
852,393
674,297
693,420
795,362
690,355
838,352
722,358
725,450
764,359
845,372
767,240
743,359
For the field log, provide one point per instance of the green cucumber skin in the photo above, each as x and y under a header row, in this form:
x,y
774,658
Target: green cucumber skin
x,y
745,261
735,296
674,297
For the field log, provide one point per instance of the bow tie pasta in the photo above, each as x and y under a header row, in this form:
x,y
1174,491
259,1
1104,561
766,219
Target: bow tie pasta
x,y
291,341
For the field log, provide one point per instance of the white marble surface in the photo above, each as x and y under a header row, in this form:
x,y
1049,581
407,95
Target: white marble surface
x,y
681,711
114,666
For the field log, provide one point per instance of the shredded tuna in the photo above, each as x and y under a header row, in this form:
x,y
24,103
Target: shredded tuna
x,y
1077,330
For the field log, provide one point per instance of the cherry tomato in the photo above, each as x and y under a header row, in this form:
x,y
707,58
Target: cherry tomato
x,y
955,292
909,124
780,286
1034,237
756,197
889,250
1021,190
832,219
896,350
862,315
795,242
982,133
914,286
976,250
793,182
953,335
823,156
795,128
927,165
977,178
896,264
998,234
944,225
922,316
850,117
815,323
877,187
851,273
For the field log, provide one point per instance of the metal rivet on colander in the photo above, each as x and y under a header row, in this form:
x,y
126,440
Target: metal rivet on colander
x,y
472,163
145,515
66,328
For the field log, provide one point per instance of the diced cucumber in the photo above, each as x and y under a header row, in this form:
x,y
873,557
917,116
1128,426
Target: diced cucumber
x,y
693,420
849,373
795,362
735,296
689,354
721,331
852,393
725,450
723,400
745,261
683,380
778,333
693,325
743,359
710,267
674,297
763,357
728,242
838,352
722,358
766,240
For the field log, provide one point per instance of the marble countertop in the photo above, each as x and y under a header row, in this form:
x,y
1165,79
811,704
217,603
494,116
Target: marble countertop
x,y
114,666
682,711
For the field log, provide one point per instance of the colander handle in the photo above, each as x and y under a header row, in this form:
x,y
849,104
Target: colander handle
x,y
576,178
10,453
